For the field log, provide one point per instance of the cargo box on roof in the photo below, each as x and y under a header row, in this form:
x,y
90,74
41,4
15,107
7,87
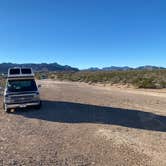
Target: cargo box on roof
x,y
20,72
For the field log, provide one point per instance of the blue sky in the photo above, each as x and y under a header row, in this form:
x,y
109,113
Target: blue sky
x,y
84,33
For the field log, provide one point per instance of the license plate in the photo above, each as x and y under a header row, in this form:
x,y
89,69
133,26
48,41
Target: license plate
x,y
22,106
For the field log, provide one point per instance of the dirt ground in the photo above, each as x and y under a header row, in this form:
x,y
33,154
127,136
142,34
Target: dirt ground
x,y
81,124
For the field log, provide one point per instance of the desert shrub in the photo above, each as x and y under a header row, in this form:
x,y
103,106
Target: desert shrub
x,y
2,82
138,78
145,83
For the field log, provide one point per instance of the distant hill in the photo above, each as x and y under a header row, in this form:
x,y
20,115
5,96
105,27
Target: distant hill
x,y
38,67
149,68
57,67
114,68
125,68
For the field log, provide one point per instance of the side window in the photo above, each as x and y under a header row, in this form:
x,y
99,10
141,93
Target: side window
x,y
26,71
14,71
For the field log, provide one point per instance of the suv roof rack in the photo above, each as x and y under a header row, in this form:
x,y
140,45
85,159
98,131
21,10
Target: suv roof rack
x,y
18,72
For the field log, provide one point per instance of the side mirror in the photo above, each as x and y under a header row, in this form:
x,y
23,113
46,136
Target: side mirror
x,y
39,86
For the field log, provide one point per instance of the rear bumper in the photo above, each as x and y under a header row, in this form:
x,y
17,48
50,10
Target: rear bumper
x,y
24,105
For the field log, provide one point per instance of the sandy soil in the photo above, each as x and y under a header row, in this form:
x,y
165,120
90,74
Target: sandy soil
x,y
81,124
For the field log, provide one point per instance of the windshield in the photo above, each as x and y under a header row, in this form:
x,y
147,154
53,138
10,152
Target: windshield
x,y
21,85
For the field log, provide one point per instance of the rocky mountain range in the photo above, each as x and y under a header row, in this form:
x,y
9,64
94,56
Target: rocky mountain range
x,y
38,67
57,67
124,68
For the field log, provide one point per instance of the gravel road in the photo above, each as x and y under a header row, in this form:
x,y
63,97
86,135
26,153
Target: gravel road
x,y
82,125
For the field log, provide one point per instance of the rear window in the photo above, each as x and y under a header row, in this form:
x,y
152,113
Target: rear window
x,y
21,85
